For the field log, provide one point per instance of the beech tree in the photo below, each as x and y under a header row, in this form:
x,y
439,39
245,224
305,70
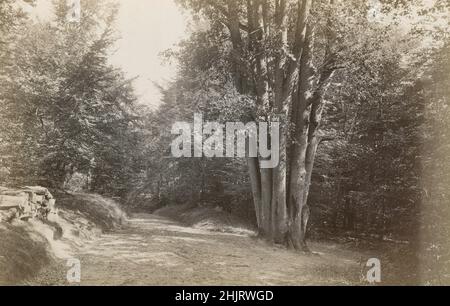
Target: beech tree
x,y
286,54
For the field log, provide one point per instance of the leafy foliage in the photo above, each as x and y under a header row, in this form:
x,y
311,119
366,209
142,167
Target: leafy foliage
x,y
67,109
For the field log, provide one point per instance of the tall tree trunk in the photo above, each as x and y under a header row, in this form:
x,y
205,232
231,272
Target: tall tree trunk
x,y
281,83
298,182
279,204
298,176
263,103
281,97
255,180
266,201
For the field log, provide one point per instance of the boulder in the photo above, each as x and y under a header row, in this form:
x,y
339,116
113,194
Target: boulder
x,y
18,200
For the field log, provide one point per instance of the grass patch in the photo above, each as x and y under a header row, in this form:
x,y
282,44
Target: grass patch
x,y
102,212
206,217
22,255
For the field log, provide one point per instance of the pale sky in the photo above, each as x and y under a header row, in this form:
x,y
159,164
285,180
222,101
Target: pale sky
x,y
146,27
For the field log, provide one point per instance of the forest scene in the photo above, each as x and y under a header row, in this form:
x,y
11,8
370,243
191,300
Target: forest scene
x,y
359,93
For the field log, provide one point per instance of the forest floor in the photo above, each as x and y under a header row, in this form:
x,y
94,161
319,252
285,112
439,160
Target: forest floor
x,y
155,250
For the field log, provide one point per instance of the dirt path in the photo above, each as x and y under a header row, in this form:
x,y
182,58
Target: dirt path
x,y
152,250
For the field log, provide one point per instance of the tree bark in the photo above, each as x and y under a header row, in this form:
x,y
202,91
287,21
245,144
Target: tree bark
x,y
283,83
255,181
266,200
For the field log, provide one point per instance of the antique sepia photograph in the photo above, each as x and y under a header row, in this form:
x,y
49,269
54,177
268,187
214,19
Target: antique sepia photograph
x,y
213,143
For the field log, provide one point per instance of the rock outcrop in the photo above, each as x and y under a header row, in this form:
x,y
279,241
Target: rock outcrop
x,y
25,203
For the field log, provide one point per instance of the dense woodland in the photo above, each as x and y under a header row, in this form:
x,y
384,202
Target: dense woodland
x,y
360,89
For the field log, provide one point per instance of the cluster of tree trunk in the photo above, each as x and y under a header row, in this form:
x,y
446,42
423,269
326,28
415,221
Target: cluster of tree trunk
x,y
287,88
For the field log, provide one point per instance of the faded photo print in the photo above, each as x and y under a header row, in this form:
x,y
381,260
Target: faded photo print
x,y
224,143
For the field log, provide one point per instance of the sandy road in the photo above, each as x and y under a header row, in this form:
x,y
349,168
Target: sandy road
x,y
151,250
